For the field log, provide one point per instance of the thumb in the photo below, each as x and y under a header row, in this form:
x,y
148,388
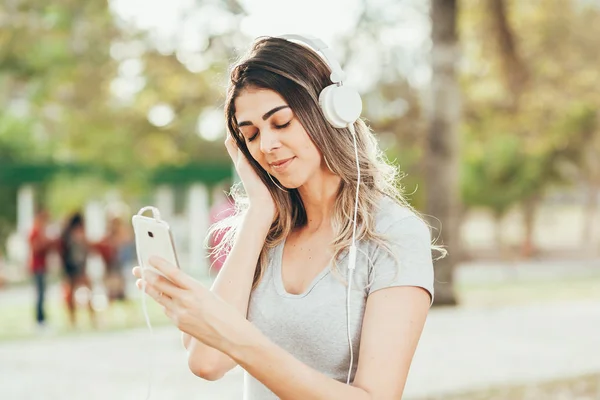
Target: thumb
x,y
232,148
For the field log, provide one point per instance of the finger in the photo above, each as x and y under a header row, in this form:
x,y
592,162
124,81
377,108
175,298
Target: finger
x,y
169,313
232,148
161,298
137,272
171,272
162,284
145,273
229,140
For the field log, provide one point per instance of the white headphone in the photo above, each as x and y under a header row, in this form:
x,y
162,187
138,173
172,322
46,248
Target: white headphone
x,y
341,105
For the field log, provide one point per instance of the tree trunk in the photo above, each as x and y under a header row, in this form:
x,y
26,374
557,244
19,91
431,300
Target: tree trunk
x,y
530,206
590,210
504,251
514,70
498,237
442,144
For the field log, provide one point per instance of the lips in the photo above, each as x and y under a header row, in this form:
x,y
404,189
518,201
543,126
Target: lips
x,y
281,165
280,162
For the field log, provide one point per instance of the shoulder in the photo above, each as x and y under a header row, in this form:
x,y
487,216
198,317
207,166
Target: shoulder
x,y
395,219
407,260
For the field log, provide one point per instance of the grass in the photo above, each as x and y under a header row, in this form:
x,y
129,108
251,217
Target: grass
x,y
18,320
532,292
17,317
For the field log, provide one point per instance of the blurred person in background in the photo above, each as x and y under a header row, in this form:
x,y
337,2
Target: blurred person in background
x,y
74,249
223,208
110,249
40,245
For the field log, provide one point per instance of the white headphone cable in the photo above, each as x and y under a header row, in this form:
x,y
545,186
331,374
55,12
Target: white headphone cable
x,y
156,215
352,254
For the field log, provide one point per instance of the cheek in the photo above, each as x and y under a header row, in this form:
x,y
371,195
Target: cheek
x,y
311,155
257,154
305,148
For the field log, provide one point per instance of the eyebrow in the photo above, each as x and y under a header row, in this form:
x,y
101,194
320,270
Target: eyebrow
x,y
264,117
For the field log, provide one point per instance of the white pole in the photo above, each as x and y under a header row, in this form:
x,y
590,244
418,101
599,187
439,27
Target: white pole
x,y
198,212
25,209
165,202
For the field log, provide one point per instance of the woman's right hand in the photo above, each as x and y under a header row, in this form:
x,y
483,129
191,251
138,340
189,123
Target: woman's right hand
x,y
258,194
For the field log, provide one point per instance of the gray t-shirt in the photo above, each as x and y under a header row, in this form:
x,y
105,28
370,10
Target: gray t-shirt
x,y
312,325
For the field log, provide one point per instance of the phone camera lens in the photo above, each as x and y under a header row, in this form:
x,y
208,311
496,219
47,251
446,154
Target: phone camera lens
x,y
150,234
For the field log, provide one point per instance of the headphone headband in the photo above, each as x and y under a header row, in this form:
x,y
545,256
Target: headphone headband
x,y
341,105
337,73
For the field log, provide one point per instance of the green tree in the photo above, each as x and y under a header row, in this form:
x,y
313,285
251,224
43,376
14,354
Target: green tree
x,y
61,67
524,101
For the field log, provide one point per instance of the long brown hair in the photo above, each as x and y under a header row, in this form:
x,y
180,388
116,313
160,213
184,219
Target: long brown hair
x,y
299,74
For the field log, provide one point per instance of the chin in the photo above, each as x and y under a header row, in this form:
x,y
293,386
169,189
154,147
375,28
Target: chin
x,y
289,182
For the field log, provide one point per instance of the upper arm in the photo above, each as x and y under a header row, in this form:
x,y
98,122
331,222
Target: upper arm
x,y
399,297
392,325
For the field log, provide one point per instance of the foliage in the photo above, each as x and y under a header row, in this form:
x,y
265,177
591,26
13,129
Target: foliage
x,y
502,166
513,152
63,66
78,85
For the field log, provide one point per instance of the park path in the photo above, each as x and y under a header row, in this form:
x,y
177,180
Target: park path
x,y
461,349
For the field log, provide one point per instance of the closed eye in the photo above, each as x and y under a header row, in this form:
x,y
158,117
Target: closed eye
x,y
284,125
276,127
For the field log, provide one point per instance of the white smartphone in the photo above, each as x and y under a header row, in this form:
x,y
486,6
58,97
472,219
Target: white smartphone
x,y
153,238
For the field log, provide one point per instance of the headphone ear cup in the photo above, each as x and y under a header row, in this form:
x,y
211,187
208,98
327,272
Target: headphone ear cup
x,y
326,106
341,105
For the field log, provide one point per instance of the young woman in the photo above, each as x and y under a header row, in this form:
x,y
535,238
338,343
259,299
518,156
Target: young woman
x,y
74,249
279,307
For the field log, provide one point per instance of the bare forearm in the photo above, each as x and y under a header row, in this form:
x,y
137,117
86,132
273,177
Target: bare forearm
x,y
234,282
185,339
233,285
283,374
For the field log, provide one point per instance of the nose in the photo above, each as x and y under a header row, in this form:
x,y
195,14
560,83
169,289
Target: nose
x,y
269,140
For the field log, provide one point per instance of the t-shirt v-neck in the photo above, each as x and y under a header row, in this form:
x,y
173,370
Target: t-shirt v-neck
x,y
278,275
313,326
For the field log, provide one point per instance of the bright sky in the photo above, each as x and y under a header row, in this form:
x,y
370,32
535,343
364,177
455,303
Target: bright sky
x,y
335,17
266,17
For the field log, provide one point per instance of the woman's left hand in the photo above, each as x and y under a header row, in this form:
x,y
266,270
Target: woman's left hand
x,y
193,308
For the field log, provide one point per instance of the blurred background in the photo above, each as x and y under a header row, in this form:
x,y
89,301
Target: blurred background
x,y
489,107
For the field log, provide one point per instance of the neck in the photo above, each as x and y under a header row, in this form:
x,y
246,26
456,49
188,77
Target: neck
x,y
318,196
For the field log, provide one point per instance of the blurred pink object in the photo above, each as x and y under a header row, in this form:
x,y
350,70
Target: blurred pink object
x,y
219,212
